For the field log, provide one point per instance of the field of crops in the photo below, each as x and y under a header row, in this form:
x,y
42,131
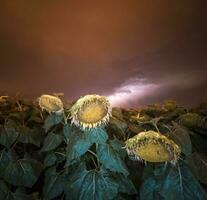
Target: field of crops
x,y
87,151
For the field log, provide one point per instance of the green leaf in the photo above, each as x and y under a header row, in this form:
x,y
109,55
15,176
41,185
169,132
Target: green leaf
x,y
67,129
50,159
53,186
79,142
90,185
35,117
118,127
111,156
77,146
6,194
60,154
51,120
125,184
199,143
148,189
170,183
8,133
96,135
180,183
148,170
16,115
4,191
120,197
20,194
5,159
23,172
29,136
198,164
51,142
181,137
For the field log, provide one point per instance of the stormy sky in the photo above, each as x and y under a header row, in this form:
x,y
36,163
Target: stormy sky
x,y
133,51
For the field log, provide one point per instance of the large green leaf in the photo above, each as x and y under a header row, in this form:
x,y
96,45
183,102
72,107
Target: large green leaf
x,y
34,116
111,156
125,184
180,183
53,186
51,141
23,172
199,143
96,135
90,185
51,120
77,145
149,189
8,133
147,171
67,129
50,159
6,194
198,165
117,126
5,159
29,136
20,194
79,142
170,183
181,136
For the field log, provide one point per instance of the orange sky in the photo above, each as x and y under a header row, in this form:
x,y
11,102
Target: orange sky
x,y
81,47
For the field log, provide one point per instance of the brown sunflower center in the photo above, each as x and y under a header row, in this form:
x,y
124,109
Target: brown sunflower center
x,y
92,113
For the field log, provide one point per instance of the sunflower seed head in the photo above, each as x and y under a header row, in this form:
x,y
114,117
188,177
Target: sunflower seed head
x,y
153,147
90,111
51,104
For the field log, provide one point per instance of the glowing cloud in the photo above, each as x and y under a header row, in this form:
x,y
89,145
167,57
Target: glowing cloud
x,y
132,90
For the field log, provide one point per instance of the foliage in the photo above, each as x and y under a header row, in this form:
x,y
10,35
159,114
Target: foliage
x,y
171,183
43,156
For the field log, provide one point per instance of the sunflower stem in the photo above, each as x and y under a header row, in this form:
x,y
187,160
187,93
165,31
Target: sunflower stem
x,y
92,153
65,118
156,127
94,163
181,182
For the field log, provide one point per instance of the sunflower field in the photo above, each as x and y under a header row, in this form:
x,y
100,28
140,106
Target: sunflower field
x,y
86,150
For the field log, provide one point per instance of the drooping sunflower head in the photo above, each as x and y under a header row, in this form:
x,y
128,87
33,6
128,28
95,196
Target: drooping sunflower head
x,y
153,147
170,105
190,120
51,104
3,99
90,111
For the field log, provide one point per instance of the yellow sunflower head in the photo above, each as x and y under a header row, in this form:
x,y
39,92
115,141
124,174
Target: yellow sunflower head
x,y
153,147
51,104
90,111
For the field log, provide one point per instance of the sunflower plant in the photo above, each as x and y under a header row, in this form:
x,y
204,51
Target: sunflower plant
x,y
50,149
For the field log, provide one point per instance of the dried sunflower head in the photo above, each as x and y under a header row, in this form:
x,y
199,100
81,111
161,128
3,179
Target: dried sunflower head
x,y
90,111
170,105
3,99
142,117
51,104
190,120
153,147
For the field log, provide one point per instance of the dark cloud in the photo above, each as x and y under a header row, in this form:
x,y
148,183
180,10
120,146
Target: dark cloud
x,y
105,47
